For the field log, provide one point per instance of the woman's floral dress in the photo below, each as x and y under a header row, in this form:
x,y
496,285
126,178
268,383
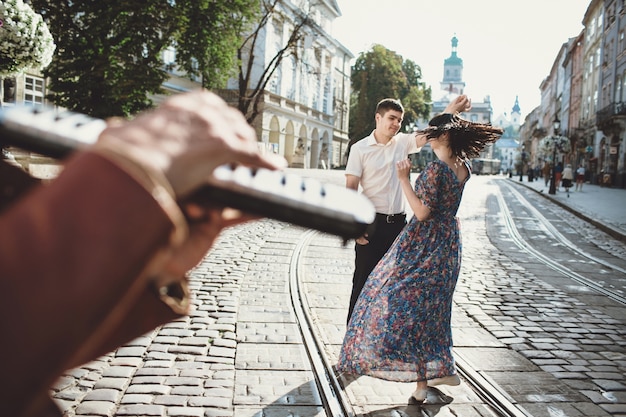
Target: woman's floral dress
x,y
400,329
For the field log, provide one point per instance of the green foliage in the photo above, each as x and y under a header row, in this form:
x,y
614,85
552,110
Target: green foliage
x,y
380,73
210,32
109,55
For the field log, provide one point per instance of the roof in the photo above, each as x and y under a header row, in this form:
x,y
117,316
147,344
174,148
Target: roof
x,y
333,5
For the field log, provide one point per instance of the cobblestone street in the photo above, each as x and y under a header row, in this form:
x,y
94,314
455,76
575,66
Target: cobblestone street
x,y
239,353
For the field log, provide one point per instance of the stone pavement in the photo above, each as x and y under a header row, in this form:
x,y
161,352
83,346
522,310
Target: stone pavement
x,y
239,355
602,206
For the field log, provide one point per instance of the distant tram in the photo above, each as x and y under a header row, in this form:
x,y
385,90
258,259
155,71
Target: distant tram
x,y
482,166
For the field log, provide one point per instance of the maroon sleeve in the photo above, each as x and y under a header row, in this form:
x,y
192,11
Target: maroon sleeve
x,y
72,261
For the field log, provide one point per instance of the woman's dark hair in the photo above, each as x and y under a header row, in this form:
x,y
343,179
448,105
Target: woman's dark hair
x,y
467,138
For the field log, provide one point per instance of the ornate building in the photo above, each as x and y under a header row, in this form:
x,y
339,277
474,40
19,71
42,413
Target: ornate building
x,y
304,109
611,114
507,149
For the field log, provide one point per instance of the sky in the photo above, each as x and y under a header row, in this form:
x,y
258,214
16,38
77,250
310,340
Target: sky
x,y
507,46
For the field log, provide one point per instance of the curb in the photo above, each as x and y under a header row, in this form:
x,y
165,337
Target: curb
x,y
608,229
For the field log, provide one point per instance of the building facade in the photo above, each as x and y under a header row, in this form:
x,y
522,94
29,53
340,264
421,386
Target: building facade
x,y
586,92
305,107
611,114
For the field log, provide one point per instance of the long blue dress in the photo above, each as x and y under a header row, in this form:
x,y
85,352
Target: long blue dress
x,y
400,329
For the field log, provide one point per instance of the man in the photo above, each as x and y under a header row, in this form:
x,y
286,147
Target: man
x,y
371,165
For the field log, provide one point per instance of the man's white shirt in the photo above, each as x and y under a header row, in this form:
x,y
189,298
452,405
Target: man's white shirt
x,y
375,165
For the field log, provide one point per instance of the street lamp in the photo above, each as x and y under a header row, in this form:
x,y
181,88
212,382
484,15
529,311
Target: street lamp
x,y
554,144
557,125
522,159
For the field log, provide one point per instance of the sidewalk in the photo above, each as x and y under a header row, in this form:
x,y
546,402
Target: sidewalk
x,y
604,207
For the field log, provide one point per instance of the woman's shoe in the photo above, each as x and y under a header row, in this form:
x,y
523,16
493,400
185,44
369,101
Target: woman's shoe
x,y
418,396
446,380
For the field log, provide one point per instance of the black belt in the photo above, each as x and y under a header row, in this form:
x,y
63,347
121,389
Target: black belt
x,y
391,218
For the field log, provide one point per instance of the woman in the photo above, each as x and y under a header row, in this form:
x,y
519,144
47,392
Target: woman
x,y
580,177
400,329
567,178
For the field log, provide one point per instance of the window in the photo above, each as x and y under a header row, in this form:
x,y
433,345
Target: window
x,y
33,90
592,28
276,80
8,90
326,97
169,56
292,71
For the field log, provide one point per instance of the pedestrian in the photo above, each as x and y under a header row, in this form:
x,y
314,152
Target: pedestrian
x,y
558,174
370,167
546,173
400,329
580,177
567,178
99,255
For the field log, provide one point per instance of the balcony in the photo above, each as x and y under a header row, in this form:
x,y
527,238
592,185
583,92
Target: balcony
x,y
610,114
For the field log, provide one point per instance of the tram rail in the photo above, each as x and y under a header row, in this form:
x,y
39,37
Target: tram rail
x,y
494,398
335,401
557,236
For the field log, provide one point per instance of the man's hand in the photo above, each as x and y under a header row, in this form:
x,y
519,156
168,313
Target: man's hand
x,y
362,240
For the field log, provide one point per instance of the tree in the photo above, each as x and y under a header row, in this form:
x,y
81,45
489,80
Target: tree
x,y
251,85
109,56
380,73
108,53
209,35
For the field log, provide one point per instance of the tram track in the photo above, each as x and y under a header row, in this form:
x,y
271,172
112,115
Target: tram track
x,y
494,399
334,399
558,237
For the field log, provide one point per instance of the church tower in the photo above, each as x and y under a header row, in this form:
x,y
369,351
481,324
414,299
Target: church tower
x,y
452,85
452,81
516,113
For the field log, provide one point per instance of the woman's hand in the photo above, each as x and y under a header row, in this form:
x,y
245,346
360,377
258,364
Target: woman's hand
x,y
459,105
362,240
403,169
